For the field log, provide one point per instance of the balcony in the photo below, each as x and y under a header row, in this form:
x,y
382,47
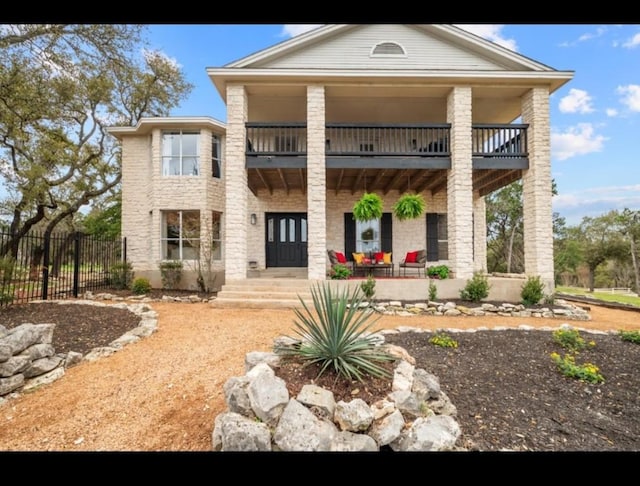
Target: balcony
x,y
383,158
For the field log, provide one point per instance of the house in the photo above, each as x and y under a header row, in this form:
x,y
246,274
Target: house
x,y
315,122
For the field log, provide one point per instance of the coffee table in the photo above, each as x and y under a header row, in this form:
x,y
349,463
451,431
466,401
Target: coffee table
x,y
369,269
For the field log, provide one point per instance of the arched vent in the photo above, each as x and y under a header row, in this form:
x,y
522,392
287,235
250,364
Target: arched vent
x,y
388,49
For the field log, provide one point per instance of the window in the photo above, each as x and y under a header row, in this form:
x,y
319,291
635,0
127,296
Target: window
x,y
216,170
437,239
180,153
216,235
180,235
368,236
391,49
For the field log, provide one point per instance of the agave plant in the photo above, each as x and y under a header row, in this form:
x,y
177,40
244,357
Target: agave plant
x,y
337,335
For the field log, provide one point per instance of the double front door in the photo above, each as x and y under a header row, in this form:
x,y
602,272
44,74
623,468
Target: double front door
x,y
286,239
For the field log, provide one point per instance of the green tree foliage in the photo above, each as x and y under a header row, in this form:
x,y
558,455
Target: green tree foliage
x,y
104,222
599,239
61,86
628,222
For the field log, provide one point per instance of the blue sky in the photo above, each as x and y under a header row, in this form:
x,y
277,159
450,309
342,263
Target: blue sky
x,y
595,118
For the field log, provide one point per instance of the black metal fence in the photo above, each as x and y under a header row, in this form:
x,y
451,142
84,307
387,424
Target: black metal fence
x,y
38,266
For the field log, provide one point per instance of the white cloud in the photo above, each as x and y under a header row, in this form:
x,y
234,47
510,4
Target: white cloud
x,y
611,112
577,140
630,96
596,201
633,42
491,32
577,101
292,30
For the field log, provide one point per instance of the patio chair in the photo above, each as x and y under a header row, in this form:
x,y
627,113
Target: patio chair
x,y
338,258
414,259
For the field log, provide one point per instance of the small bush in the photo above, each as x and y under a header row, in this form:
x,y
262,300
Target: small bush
x,y
586,372
340,272
369,287
443,340
438,271
570,339
171,274
121,275
433,291
140,286
630,336
476,289
532,291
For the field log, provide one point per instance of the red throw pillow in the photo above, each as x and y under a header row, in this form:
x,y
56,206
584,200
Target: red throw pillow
x,y
341,258
378,256
411,257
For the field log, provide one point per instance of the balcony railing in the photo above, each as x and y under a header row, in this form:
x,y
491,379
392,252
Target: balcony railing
x,y
371,140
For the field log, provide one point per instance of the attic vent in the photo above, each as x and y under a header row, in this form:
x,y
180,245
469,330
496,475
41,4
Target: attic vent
x,y
388,49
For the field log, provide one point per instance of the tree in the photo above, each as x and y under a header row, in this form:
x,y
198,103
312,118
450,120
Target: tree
x,y
629,224
599,240
505,228
61,86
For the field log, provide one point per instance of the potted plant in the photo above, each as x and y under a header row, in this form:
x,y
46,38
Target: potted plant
x,y
438,272
368,207
409,206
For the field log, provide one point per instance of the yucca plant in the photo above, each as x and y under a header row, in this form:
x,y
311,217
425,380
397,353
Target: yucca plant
x,y
336,335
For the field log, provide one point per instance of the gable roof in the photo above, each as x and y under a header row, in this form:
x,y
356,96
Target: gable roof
x,y
436,53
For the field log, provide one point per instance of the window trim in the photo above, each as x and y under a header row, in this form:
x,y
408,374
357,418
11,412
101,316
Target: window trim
x,y
164,239
181,157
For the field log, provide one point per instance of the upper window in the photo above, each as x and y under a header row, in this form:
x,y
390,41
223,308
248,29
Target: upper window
x,y
391,49
216,170
180,235
180,153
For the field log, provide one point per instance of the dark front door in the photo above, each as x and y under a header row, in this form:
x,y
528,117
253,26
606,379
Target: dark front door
x,y
286,239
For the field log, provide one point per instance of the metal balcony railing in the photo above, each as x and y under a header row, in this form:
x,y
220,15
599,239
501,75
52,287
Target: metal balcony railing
x,y
389,140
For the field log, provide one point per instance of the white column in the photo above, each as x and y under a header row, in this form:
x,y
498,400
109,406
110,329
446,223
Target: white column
x,y
459,184
536,188
236,188
316,184
479,233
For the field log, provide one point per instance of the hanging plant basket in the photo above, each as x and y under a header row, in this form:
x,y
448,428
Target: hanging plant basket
x,y
409,206
368,207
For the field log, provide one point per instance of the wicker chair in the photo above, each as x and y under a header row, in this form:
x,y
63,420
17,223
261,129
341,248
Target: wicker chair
x,y
333,259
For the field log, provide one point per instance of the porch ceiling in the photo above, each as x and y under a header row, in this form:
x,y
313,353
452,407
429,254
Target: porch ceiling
x,y
383,181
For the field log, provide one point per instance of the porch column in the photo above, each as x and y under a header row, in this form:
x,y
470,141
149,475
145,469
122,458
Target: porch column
x,y
536,188
316,184
235,216
479,233
459,184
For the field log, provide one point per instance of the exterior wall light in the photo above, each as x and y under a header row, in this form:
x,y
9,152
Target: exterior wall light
x,y
254,219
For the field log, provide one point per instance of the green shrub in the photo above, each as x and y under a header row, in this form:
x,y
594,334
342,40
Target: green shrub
x,y
340,272
171,274
532,291
141,285
569,339
630,336
368,287
438,271
476,288
443,340
336,335
585,372
121,275
433,291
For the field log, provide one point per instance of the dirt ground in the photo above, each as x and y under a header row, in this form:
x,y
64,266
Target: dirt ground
x,y
163,392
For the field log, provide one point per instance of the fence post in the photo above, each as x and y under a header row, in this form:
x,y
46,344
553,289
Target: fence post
x,y
76,262
45,266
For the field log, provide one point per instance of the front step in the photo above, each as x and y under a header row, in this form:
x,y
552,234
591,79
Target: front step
x,y
265,293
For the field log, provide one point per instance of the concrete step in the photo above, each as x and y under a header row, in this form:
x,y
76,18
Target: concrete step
x,y
268,282
264,294
240,303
